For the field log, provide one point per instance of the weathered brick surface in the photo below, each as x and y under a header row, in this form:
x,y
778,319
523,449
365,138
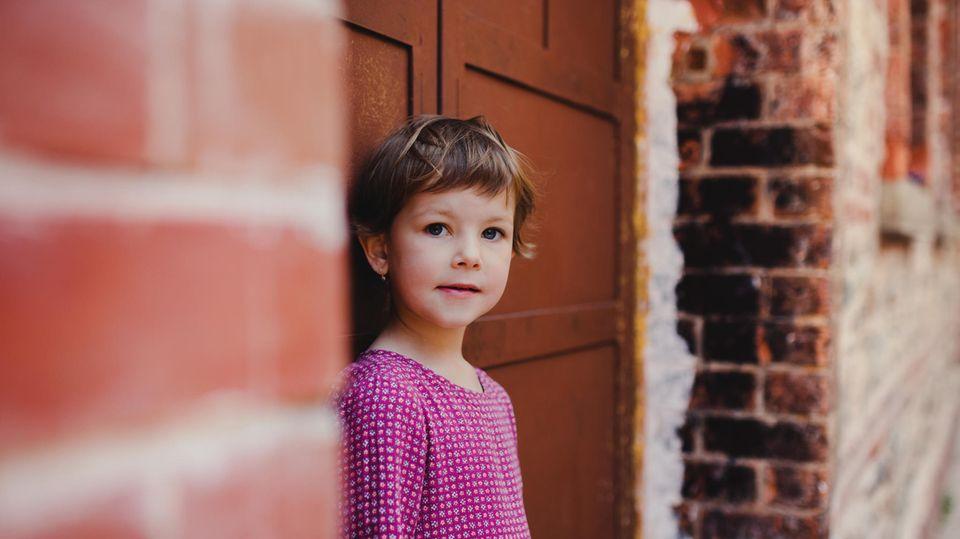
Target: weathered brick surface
x,y
728,483
719,294
786,440
723,524
705,104
771,147
755,223
721,243
796,393
800,197
793,486
791,344
798,296
721,196
723,390
732,341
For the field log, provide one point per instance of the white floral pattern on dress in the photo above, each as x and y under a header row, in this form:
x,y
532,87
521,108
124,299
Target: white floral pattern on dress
x,y
425,457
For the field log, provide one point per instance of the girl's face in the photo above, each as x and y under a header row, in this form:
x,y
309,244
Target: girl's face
x,y
438,241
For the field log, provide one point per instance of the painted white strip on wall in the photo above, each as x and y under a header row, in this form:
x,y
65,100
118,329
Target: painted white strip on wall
x,y
311,199
42,488
669,368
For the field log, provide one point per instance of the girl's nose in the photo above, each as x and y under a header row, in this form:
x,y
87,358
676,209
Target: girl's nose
x,y
468,255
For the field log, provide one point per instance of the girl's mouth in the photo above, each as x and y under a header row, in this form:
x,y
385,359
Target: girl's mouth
x,y
459,291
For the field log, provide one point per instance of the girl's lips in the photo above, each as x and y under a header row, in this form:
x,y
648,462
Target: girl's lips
x,y
457,292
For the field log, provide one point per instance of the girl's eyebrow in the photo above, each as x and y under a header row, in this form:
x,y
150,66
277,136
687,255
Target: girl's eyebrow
x,y
499,218
434,210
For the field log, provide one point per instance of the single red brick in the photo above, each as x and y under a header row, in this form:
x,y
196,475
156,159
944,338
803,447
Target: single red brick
x,y
727,483
801,197
703,104
781,51
723,390
73,81
742,525
751,438
744,54
719,243
796,296
291,491
721,196
800,97
282,98
727,294
105,322
733,341
771,147
796,393
821,54
735,55
792,486
788,343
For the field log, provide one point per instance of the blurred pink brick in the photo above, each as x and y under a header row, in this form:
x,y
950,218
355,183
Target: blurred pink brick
x,y
73,78
289,492
108,323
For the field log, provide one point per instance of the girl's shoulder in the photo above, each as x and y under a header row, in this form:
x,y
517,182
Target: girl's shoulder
x,y
378,375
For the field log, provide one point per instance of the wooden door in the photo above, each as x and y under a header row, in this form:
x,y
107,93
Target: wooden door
x,y
550,76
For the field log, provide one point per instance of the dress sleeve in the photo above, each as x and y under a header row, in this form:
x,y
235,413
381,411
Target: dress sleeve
x,y
384,459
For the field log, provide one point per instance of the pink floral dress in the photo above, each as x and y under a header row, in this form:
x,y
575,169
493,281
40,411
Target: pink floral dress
x,y
425,457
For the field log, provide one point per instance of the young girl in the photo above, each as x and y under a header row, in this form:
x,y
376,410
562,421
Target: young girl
x,y
429,441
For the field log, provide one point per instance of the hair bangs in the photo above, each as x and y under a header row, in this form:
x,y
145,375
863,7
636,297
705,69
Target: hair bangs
x,y
433,153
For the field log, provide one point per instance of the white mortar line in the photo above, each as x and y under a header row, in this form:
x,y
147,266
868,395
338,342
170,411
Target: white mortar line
x,y
57,483
313,200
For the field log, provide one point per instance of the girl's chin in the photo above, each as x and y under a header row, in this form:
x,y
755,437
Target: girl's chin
x,y
452,324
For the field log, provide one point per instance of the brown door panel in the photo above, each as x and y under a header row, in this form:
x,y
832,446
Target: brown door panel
x,y
565,425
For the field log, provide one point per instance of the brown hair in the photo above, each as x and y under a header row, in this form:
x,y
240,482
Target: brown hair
x,y
434,153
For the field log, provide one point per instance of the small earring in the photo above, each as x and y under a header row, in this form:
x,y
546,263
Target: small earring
x,y
383,277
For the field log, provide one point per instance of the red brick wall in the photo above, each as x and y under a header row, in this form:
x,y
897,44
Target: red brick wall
x,y
172,284
756,101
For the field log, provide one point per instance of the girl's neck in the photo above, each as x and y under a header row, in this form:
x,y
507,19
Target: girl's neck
x,y
429,345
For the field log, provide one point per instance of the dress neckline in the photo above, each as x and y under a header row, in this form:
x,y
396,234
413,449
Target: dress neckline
x,y
435,375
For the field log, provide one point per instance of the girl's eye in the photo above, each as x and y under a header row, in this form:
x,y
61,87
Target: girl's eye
x,y
496,232
435,229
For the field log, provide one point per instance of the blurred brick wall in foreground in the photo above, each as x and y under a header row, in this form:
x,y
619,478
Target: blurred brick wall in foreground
x,y
172,284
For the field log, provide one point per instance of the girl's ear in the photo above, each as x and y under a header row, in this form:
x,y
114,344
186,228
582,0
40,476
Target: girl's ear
x,y
375,249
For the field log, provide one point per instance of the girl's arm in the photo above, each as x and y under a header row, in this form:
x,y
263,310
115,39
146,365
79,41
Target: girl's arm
x,y
385,451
